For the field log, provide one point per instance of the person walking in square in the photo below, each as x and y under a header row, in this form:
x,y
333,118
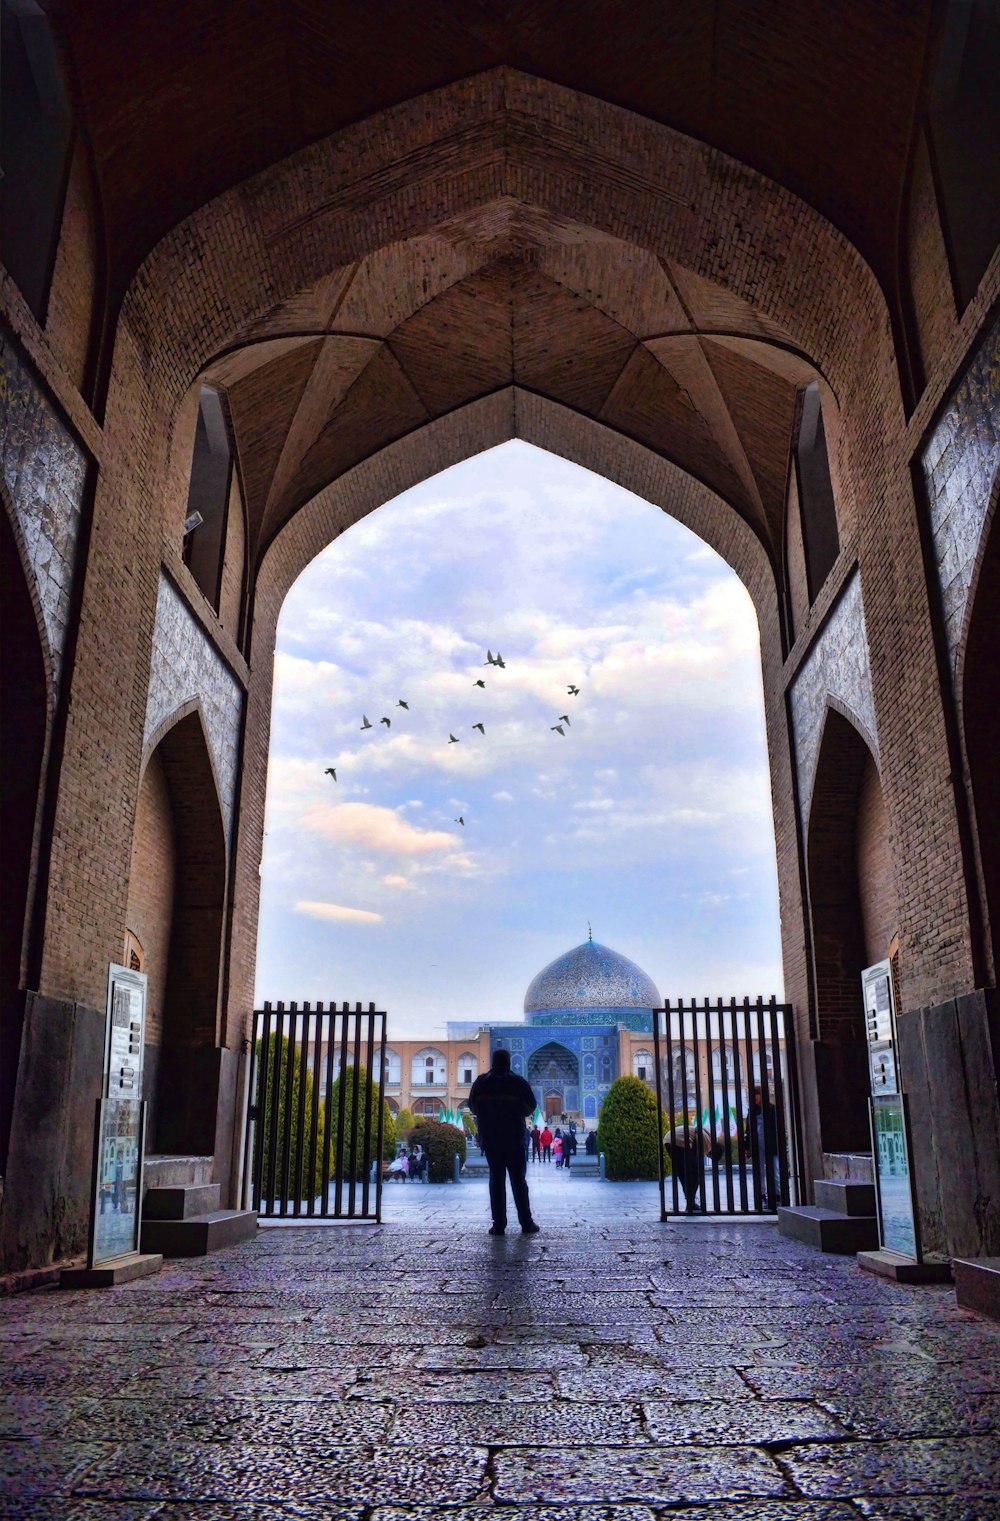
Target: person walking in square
x,y
501,1100
545,1141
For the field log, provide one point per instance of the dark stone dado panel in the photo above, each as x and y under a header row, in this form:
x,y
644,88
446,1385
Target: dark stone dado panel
x,y
46,1204
949,1073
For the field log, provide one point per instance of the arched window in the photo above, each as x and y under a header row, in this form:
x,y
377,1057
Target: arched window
x,y
206,520
35,129
817,512
429,1069
392,1067
429,1108
724,1063
468,1068
642,1066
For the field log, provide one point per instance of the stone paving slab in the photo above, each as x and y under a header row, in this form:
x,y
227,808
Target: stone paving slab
x,y
612,1368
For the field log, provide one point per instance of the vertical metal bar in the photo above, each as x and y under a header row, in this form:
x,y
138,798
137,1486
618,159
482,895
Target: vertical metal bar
x,y
369,1096
338,1187
355,1112
765,1097
792,1058
779,1103
328,1107
725,1046
698,1149
300,1129
314,1113
659,1111
716,1204
286,1129
738,1081
381,1114
275,1101
684,1092
668,1030
260,1075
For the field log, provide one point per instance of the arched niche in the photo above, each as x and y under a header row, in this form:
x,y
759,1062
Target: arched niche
x,y
24,706
176,909
852,920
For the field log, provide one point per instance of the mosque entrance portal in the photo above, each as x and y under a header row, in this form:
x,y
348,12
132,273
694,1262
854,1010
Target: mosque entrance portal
x,y
554,1073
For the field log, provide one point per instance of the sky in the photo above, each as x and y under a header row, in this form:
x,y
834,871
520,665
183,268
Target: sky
x,y
648,818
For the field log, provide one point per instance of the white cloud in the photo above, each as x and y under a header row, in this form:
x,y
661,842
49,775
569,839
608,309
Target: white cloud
x,y
503,796
372,827
337,913
395,880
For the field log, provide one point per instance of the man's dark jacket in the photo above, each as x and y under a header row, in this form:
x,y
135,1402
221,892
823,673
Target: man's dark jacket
x,y
501,1102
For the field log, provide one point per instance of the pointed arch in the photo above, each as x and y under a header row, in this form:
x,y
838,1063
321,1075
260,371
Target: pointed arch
x,y
25,704
176,909
978,664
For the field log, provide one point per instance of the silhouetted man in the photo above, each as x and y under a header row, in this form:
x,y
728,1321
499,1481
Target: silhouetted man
x,y
501,1102
761,1137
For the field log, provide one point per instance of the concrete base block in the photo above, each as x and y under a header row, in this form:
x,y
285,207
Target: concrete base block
x,y
828,1231
173,1172
848,1166
201,1235
846,1196
977,1285
109,1274
886,1264
180,1201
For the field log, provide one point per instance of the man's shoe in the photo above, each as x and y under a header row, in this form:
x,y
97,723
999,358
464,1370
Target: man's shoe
x,y
530,1228
498,1230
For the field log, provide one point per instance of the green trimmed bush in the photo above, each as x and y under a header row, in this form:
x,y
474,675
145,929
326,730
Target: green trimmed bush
x,y
439,1142
627,1131
405,1120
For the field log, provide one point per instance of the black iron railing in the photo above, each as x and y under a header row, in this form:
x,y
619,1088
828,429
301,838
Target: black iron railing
x,y
314,1133
726,1155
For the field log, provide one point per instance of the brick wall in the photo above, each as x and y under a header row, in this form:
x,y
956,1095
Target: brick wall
x,y
149,914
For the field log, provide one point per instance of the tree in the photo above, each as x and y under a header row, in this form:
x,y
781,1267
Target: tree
x,y
355,1077
284,1066
469,1123
404,1121
627,1131
439,1142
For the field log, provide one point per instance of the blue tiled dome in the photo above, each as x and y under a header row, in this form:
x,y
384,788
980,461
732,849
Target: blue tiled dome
x,y
591,977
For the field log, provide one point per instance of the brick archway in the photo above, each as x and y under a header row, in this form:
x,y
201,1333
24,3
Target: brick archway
x,y
981,720
24,715
176,908
852,917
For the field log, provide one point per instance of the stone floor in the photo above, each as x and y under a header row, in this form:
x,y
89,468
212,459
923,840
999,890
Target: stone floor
x,y
609,1369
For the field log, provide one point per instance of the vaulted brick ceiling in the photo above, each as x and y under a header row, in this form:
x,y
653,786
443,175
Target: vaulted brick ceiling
x,y
507,299
182,99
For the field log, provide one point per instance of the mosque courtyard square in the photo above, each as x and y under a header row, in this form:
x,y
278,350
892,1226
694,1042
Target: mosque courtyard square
x,y
612,1368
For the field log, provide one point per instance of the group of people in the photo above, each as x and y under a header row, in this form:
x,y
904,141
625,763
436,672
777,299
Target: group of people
x,y
547,1146
690,1146
410,1164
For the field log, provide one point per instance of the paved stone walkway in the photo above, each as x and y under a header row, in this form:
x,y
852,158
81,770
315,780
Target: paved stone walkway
x,y
609,1369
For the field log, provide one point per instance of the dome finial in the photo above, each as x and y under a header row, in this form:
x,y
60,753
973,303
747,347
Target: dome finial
x,y
590,932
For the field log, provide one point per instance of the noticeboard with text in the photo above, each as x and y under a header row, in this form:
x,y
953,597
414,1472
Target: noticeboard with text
x,y
897,1212
117,1197
126,1033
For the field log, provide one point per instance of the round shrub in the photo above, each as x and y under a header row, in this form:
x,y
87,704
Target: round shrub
x,y
439,1142
627,1131
405,1122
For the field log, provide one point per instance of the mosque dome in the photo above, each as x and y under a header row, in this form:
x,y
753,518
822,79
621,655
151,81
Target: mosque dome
x,y
592,984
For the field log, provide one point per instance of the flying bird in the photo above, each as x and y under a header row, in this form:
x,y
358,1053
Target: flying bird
x,y
331,771
500,661
558,729
460,820
452,740
573,691
480,727
402,704
479,684
564,718
489,658
387,722
365,724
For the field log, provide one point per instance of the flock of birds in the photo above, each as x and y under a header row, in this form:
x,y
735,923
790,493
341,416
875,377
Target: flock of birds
x,y
497,661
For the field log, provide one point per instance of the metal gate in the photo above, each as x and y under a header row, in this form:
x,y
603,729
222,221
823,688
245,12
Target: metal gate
x,y
314,1133
728,1156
